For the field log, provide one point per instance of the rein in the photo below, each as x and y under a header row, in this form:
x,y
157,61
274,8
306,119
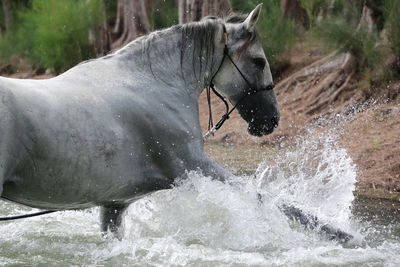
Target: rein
x,y
23,216
211,127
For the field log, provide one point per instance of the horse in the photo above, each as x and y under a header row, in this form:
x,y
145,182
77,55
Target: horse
x,y
113,129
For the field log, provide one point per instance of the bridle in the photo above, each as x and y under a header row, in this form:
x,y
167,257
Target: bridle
x,y
211,127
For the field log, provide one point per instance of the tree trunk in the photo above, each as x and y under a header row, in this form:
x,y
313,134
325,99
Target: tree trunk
x,y
100,36
377,12
371,16
194,10
132,21
8,16
292,9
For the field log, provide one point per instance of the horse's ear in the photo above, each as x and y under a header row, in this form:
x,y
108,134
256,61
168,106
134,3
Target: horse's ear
x,y
252,18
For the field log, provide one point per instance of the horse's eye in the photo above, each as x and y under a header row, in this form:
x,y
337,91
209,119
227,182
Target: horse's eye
x,y
259,62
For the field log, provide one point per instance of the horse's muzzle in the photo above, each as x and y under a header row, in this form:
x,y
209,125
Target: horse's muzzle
x,y
263,127
261,112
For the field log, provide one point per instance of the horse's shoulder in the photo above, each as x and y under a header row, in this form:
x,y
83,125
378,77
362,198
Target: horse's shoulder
x,y
4,83
5,87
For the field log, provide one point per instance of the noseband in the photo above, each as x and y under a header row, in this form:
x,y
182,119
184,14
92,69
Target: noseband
x,y
251,91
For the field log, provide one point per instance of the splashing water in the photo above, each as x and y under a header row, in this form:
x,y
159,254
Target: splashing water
x,y
316,177
203,222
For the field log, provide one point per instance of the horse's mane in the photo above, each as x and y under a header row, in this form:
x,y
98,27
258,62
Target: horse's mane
x,y
199,36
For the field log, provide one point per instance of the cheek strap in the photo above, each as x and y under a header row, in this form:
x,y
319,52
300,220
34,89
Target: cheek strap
x,y
250,91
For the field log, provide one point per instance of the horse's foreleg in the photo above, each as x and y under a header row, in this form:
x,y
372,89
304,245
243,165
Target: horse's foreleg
x,y
312,222
213,169
111,219
1,181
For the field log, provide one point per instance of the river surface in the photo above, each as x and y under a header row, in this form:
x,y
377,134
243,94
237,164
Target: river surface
x,y
201,222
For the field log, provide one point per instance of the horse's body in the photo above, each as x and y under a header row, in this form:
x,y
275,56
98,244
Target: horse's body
x,y
100,132
112,129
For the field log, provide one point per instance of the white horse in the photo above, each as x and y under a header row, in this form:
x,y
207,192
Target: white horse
x,y
112,129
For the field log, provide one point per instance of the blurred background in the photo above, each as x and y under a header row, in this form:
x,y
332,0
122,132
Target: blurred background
x,y
57,34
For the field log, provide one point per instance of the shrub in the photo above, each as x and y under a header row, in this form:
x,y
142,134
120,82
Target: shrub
x,y
244,5
55,33
392,14
313,7
277,32
1,20
6,46
359,42
164,14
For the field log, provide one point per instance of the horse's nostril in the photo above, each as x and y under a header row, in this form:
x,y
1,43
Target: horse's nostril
x,y
270,87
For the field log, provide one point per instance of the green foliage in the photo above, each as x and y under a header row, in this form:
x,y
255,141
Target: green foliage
x,y
392,14
348,11
372,51
111,8
11,42
165,14
360,43
55,33
277,33
245,5
313,7
1,19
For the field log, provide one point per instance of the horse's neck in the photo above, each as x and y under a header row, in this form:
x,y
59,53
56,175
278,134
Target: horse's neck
x,y
160,55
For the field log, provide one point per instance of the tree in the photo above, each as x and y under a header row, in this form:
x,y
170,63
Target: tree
x,y
8,16
371,15
99,36
194,10
132,20
293,9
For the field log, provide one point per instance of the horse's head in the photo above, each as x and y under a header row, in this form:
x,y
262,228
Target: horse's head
x,y
249,85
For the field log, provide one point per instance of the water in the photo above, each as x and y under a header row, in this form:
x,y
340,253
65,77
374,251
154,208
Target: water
x,y
201,222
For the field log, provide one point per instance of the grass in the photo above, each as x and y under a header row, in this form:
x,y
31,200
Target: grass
x,y
245,162
363,191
